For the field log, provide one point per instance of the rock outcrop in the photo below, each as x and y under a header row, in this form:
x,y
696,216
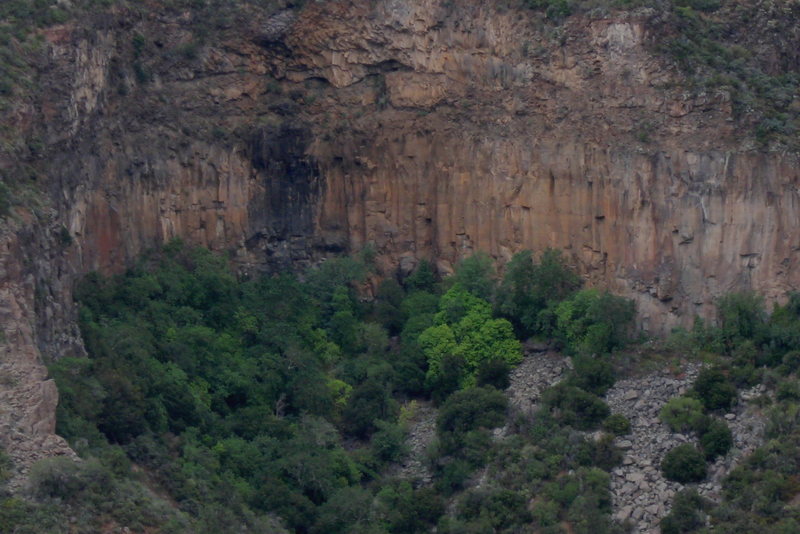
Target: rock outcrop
x,y
28,398
430,129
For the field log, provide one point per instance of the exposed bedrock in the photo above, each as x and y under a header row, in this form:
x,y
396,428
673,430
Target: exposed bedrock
x,y
430,129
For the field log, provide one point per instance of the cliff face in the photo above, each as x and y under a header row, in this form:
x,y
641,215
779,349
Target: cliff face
x,y
499,136
430,129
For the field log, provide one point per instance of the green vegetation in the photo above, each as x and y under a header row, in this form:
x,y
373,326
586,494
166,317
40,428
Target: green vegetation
x,y
684,464
682,413
749,346
530,291
465,331
591,322
686,514
617,425
278,401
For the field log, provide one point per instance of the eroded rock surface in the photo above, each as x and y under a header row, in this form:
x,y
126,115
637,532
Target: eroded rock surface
x,y
28,398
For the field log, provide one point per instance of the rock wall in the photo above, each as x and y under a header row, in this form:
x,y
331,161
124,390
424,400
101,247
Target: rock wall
x,y
430,129
28,399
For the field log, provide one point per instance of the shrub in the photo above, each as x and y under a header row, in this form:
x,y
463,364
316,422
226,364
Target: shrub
x,y
494,373
471,409
387,307
591,322
684,464
407,510
368,403
717,440
681,413
466,329
500,508
714,389
742,316
617,424
452,477
65,478
348,509
476,274
605,454
792,360
422,279
449,378
545,513
592,374
686,514
574,406
788,390
529,288
388,443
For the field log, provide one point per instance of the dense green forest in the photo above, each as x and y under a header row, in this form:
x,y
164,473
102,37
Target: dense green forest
x,y
213,404
285,399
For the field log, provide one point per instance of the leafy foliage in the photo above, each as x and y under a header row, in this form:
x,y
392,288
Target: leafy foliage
x,y
591,322
575,407
617,424
237,398
529,290
686,514
714,389
684,464
682,413
466,332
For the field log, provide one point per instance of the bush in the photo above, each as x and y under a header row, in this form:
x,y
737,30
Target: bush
x,y
742,316
500,508
472,409
686,514
422,279
788,390
605,454
574,406
717,440
449,378
65,478
592,374
388,443
346,511
792,360
714,390
617,424
681,413
368,403
591,322
494,373
452,477
476,274
684,464
408,510
529,288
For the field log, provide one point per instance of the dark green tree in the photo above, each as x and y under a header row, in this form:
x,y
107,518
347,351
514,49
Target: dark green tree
x,y
684,464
